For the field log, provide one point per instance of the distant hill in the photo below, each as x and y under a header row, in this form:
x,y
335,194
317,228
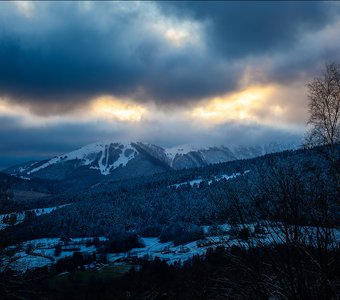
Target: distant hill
x,y
129,160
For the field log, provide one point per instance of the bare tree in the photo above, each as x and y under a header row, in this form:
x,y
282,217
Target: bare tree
x,y
324,108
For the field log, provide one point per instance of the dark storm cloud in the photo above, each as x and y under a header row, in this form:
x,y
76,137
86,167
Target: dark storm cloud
x,y
71,59
238,29
266,34
76,57
22,143
65,54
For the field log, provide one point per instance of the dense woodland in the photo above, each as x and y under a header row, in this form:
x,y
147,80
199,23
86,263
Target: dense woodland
x,y
292,188
287,186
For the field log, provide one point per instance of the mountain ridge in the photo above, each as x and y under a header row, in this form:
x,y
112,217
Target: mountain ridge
x,y
124,160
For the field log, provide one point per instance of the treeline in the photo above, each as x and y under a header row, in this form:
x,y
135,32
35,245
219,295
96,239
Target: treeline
x,y
294,187
280,272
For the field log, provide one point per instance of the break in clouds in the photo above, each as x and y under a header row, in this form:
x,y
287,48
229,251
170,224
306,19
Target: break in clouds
x,y
164,72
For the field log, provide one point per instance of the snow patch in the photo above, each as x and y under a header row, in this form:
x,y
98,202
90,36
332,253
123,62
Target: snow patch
x,y
20,216
179,150
196,182
42,251
88,155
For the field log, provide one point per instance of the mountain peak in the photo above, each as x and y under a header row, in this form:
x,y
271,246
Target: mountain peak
x,y
132,158
98,156
180,150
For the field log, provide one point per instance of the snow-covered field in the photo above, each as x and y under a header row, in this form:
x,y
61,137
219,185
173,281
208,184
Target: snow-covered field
x,y
41,252
20,216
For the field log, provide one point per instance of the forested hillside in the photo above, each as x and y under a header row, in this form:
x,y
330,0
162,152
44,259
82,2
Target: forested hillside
x,y
268,187
278,205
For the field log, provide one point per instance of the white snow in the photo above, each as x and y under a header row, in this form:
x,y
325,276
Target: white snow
x,y
21,215
47,210
23,168
165,251
23,262
42,251
122,161
82,154
179,150
196,182
88,154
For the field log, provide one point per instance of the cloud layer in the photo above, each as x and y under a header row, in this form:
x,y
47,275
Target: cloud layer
x,y
167,53
145,70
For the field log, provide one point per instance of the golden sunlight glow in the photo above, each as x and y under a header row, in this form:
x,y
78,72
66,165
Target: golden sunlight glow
x,y
107,108
247,105
12,110
112,108
176,37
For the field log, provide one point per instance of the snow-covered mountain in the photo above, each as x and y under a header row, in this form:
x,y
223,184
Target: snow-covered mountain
x,y
124,160
102,157
187,156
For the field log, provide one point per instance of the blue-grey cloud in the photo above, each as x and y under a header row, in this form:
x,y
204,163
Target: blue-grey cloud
x,y
25,144
65,54
56,56
255,27
72,58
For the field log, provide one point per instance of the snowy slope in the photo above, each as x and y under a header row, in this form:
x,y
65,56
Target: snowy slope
x,y
171,153
196,182
187,156
20,216
98,156
142,159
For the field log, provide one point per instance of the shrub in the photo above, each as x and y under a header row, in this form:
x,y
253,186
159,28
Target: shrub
x,y
122,242
170,232
215,230
150,231
243,234
10,219
190,233
57,250
181,233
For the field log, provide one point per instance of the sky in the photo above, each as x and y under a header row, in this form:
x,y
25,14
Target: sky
x,y
169,73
